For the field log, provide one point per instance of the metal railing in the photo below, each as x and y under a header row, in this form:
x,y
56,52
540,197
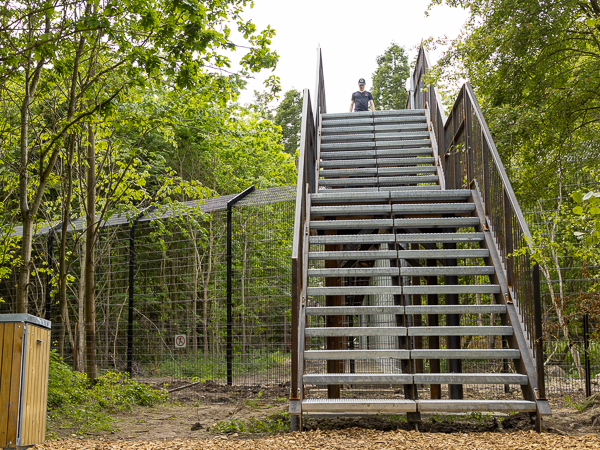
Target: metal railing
x,y
471,161
307,184
428,99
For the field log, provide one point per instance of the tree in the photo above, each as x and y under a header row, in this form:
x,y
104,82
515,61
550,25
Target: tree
x,y
288,117
534,66
64,65
389,79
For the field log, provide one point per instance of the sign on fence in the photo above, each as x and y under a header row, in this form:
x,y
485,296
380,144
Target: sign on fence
x,y
180,341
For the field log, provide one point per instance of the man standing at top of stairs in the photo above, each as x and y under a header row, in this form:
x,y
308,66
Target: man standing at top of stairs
x,y
362,100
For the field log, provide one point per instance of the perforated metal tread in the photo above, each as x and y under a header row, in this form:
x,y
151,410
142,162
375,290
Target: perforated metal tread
x,y
369,406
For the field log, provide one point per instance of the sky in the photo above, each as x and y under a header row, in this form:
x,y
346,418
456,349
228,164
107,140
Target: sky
x,y
351,35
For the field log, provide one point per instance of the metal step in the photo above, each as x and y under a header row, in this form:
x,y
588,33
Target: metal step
x,y
352,310
455,309
443,254
355,331
348,163
357,378
349,197
445,289
355,354
353,239
420,238
340,146
433,208
387,135
448,270
404,152
326,137
393,171
485,330
365,406
365,224
432,196
400,126
392,189
408,179
382,162
464,406
354,155
438,222
401,143
351,129
470,378
354,172
355,272
354,290
488,353
367,255
363,210
349,182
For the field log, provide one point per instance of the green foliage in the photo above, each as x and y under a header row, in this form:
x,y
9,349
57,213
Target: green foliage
x,y
273,424
288,116
534,67
73,402
389,78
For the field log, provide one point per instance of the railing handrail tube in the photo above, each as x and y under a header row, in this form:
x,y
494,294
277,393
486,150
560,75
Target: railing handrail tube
x,y
498,163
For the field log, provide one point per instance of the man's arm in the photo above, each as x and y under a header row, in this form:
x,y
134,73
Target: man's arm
x,y
351,105
372,105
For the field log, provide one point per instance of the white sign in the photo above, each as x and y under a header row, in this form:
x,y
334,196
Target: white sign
x,y
180,341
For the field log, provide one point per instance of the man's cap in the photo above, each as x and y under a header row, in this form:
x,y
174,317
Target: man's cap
x,y
361,81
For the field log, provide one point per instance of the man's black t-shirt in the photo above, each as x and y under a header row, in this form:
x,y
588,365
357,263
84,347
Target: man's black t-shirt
x,y
361,100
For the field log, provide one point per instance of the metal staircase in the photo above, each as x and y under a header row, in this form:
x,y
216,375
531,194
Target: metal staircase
x,y
404,295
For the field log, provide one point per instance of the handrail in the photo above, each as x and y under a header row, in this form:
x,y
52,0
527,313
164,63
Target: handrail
x,y
427,97
471,160
307,183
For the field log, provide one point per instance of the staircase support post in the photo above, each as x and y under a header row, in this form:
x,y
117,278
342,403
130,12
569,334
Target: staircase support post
x,y
433,341
455,391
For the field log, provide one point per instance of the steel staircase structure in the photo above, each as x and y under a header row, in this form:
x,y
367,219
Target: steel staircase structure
x,y
412,290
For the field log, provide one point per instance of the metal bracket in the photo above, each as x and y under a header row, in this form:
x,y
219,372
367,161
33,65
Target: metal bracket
x,y
295,407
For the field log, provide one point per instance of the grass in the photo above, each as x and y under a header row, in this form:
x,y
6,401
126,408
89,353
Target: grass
x,y
75,403
273,424
188,366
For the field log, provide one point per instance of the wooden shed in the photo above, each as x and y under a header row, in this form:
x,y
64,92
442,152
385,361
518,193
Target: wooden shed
x,y
24,365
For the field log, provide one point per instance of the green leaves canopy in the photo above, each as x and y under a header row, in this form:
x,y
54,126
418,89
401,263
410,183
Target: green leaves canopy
x,y
389,78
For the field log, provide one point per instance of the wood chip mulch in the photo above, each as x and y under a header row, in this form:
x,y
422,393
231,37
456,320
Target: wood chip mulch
x,y
349,439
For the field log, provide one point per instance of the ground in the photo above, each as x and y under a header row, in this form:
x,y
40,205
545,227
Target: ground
x,y
214,416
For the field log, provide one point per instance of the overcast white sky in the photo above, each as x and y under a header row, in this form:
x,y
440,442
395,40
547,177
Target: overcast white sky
x,y
351,34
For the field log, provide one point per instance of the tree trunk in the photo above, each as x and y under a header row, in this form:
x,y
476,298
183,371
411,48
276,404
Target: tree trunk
x,y
81,306
90,303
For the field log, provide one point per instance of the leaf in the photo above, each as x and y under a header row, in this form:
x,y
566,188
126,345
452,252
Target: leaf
x,y
577,197
594,210
578,210
588,196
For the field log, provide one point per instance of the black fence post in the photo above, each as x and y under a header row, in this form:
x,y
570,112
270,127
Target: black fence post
x,y
131,298
230,204
588,369
131,290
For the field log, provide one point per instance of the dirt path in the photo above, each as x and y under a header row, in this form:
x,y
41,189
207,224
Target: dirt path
x,y
352,438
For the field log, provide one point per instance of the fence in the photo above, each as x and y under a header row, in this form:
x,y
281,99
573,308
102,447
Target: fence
x,y
162,304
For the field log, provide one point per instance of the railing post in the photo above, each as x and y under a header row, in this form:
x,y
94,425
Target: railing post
x,y
539,336
508,238
49,262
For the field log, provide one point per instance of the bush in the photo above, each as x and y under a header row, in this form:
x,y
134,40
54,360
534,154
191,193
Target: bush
x,y
74,402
